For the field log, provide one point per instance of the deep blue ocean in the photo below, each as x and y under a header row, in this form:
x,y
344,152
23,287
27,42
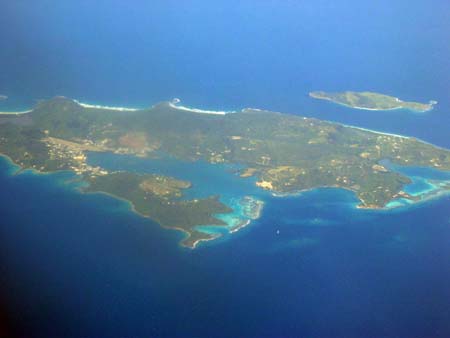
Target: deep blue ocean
x,y
83,265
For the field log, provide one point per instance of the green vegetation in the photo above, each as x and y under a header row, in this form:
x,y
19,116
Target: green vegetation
x,y
285,153
24,145
164,187
162,207
371,101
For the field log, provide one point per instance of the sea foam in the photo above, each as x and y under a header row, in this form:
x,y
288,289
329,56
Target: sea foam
x,y
96,106
174,104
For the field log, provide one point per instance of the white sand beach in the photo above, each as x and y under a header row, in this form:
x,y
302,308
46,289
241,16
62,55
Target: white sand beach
x,y
174,104
15,112
96,106
377,132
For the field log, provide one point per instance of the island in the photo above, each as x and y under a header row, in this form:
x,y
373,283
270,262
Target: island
x,y
283,153
371,101
3,97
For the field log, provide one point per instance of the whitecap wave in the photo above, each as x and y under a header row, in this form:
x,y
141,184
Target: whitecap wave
x,y
15,112
174,104
378,132
96,106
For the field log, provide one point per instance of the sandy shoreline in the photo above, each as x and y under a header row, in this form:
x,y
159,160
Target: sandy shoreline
x,y
200,111
174,104
17,169
424,197
97,106
377,132
15,112
430,104
388,109
195,243
239,226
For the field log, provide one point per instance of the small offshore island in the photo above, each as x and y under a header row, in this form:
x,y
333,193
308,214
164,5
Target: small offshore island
x,y
371,101
285,154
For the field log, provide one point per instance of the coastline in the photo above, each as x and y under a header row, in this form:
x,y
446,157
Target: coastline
x,y
250,208
377,132
350,126
246,220
426,197
195,243
17,169
387,109
239,226
245,210
430,104
96,106
423,197
15,112
174,102
133,210
387,134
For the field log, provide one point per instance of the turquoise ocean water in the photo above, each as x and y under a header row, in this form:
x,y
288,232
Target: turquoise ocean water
x,y
83,265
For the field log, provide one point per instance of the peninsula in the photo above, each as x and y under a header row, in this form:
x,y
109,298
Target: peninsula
x,y
284,153
371,101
